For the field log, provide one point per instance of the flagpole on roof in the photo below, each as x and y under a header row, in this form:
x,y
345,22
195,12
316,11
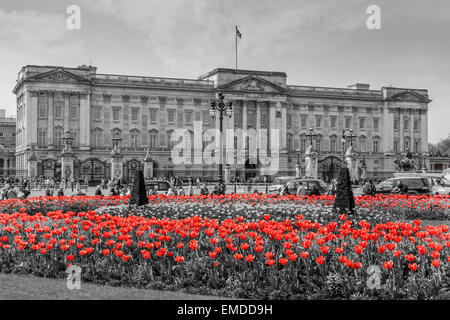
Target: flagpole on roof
x,y
235,35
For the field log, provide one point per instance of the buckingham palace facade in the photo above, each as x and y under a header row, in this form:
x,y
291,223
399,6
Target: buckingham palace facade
x,y
146,110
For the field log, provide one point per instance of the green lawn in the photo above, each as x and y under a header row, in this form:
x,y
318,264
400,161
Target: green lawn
x,y
19,287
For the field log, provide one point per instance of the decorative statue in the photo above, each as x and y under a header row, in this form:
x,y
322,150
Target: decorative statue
x,y
406,162
311,162
350,158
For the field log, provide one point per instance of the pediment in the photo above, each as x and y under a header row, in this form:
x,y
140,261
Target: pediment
x,y
252,84
409,96
59,75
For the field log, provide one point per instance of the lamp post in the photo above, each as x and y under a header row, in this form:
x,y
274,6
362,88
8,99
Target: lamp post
x,y
311,135
223,108
67,159
297,167
116,157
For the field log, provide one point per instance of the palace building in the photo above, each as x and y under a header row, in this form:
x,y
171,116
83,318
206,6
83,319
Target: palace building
x,y
146,110
7,144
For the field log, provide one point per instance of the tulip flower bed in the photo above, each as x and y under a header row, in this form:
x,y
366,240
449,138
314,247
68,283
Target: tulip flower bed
x,y
380,208
268,247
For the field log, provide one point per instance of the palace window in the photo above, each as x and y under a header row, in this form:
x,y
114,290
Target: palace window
x,y
134,139
76,137
42,111
98,138
188,117
333,143
362,122
58,134
362,144
134,114
318,144
396,124
416,125
116,114
73,112
318,121
405,124
348,121
333,121
417,145
302,143
289,120
407,143
396,145
289,142
171,116
207,117
42,137
96,114
376,123
58,111
303,118
375,144
153,115
153,139
180,118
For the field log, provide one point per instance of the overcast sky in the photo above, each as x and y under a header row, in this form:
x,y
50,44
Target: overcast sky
x,y
317,43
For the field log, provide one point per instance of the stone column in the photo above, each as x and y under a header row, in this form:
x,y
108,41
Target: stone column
x,y
5,166
84,121
30,124
50,126
117,167
401,128
66,111
272,118
282,108
424,129
387,127
66,168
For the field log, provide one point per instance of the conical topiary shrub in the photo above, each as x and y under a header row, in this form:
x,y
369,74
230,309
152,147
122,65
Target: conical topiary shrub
x,y
344,201
138,192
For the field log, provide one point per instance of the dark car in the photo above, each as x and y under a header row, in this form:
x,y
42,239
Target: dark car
x,y
292,186
415,185
160,186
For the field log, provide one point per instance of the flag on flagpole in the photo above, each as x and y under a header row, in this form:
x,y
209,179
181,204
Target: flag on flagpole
x,y
238,33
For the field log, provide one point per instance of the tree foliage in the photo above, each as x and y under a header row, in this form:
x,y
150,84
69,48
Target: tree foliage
x,y
344,201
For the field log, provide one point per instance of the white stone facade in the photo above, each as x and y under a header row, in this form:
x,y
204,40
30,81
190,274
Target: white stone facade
x,y
146,110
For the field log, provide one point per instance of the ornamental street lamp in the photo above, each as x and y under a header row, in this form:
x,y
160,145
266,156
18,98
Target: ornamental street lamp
x,y
116,139
351,136
223,108
311,135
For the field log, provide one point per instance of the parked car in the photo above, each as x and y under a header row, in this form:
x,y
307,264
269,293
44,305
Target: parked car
x,y
278,184
160,186
439,185
292,186
415,185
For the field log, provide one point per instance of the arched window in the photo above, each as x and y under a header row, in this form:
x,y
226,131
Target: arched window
x,y
376,144
289,142
362,141
57,137
318,143
98,138
170,143
153,139
407,143
333,143
302,143
135,139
